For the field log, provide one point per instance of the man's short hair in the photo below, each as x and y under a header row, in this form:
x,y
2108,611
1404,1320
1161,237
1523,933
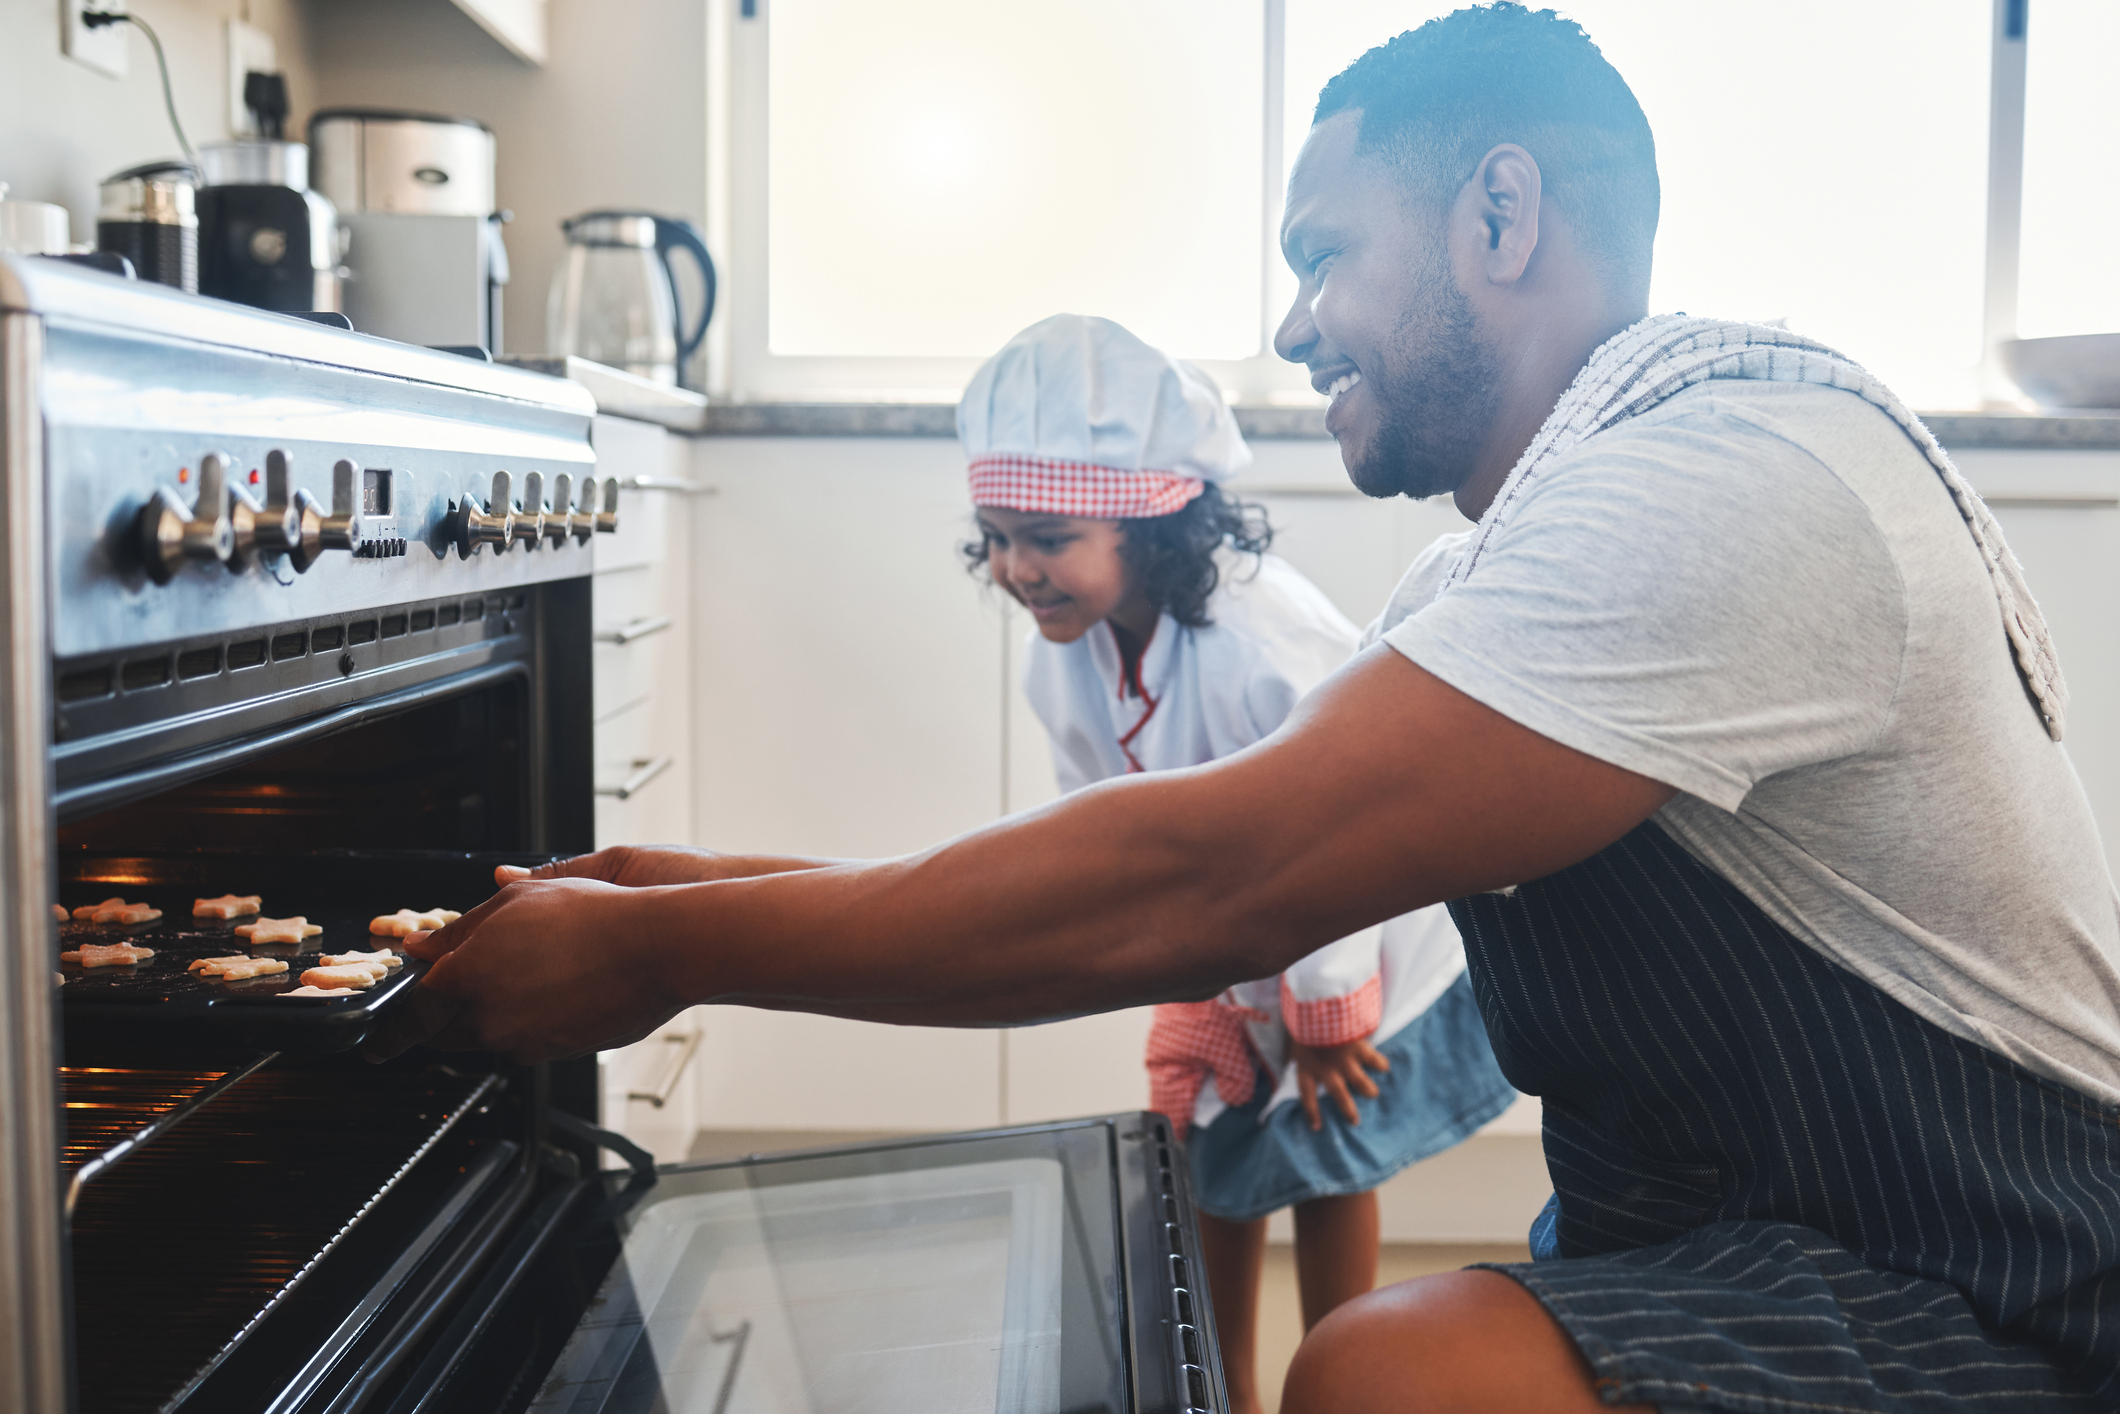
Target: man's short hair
x,y
1437,99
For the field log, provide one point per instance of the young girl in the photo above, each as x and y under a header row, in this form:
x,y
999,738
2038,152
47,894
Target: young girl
x,y
1167,636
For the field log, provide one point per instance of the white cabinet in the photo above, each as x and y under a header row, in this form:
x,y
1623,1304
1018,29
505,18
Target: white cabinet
x,y
641,687
642,658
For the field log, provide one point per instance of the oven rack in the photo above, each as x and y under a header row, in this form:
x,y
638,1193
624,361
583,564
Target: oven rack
x,y
245,1202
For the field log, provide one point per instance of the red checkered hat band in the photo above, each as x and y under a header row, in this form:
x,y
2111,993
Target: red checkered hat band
x,y
1016,482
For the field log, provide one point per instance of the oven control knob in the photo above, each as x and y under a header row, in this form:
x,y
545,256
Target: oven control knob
x,y
342,530
530,520
560,522
292,522
470,526
581,524
607,518
166,533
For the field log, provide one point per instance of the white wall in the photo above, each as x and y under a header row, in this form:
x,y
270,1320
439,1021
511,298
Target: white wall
x,y
64,126
615,118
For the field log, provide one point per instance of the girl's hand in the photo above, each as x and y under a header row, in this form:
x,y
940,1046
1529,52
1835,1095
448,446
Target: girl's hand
x,y
1339,1070
647,866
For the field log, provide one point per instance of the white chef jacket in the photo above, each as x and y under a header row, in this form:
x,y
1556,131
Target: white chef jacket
x,y
1207,692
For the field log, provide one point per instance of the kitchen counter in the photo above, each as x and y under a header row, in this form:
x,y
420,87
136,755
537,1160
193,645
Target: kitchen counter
x,y
2078,431
623,394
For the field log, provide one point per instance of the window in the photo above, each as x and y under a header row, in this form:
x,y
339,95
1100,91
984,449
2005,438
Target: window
x,y
2069,280
913,183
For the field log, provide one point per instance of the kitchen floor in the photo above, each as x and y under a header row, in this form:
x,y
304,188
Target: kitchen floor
x,y
1281,1311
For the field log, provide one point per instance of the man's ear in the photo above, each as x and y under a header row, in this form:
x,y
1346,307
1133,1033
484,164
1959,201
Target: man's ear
x,y
1501,204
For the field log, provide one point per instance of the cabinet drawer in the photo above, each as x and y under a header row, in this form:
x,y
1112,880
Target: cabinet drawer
x,y
636,638
633,756
646,520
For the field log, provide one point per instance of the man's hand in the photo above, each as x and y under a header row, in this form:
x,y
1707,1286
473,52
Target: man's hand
x,y
646,866
1338,1070
545,968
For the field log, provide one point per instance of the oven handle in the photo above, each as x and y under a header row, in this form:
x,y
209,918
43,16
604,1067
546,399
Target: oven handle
x,y
639,628
644,772
125,1148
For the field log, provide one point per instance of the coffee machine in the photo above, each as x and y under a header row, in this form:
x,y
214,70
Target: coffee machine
x,y
148,215
416,193
266,239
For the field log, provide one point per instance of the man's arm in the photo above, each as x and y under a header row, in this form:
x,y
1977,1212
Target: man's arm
x,y
1387,790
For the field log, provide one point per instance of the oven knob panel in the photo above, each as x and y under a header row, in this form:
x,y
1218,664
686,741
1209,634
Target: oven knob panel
x,y
166,532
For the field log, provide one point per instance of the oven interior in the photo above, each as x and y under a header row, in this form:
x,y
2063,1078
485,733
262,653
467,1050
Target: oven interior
x,y
260,1219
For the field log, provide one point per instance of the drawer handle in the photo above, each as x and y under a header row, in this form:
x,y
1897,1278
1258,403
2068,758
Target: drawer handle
x,y
661,1094
639,628
667,483
643,772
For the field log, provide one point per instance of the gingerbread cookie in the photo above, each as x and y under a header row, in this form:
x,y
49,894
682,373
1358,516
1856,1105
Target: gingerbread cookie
x,y
405,922
319,992
117,910
59,913
380,957
107,955
277,930
235,969
227,906
352,974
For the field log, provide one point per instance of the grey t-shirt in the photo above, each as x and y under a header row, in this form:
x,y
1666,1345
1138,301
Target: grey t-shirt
x,y
1762,595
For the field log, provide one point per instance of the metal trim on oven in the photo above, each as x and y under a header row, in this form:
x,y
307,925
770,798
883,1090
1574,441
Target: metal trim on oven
x,y
33,1365
106,791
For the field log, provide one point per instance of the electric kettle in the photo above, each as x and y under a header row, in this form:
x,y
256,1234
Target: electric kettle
x,y
615,299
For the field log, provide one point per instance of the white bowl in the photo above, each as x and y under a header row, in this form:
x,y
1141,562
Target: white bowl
x,y
2075,371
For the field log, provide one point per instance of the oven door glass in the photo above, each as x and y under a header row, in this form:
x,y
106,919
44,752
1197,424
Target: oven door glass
x,y
963,1276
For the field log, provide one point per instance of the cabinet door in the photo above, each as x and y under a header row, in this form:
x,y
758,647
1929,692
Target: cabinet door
x,y
847,695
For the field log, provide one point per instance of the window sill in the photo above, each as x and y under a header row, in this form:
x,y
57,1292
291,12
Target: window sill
x,y
2087,431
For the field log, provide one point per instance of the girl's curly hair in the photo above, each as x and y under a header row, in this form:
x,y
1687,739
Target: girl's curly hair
x,y
1172,558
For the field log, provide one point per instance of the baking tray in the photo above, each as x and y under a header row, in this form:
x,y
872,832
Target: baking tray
x,y
159,1005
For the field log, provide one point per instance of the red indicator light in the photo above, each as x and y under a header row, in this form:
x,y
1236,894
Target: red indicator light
x,y
183,476
254,476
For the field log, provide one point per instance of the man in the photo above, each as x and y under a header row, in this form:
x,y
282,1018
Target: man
x,y
1730,734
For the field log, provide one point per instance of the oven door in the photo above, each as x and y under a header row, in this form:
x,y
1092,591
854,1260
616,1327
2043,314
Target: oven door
x,y
1021,1271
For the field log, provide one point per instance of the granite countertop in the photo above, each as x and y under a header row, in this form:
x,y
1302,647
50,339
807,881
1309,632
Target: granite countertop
x,y
2089,431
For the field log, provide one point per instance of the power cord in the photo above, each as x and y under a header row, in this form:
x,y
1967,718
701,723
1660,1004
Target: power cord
x,y
98,19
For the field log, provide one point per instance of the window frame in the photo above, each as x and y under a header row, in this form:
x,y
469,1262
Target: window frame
x,y
741,366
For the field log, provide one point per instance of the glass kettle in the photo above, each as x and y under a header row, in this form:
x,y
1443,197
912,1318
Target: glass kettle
x,y
615,299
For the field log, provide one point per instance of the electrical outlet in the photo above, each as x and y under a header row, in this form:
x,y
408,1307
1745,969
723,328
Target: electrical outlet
x,y
106,50
250,50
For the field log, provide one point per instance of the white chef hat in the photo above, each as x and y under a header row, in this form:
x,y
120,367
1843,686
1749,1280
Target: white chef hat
x,y
1077,417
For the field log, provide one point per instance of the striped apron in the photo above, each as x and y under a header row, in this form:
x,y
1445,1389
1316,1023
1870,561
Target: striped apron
x,y
1775,1188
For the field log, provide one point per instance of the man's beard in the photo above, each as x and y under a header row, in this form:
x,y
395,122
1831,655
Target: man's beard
x,y
1435,399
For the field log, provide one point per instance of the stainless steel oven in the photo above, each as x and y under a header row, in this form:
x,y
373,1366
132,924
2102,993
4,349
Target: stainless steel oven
x,y
291,613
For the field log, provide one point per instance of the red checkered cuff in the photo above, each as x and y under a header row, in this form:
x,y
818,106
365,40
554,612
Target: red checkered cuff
x,y
1017,482
1334,1021
1187,1043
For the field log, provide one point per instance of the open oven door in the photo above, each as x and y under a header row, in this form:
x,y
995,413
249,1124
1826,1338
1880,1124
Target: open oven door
x,y
1050,1269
